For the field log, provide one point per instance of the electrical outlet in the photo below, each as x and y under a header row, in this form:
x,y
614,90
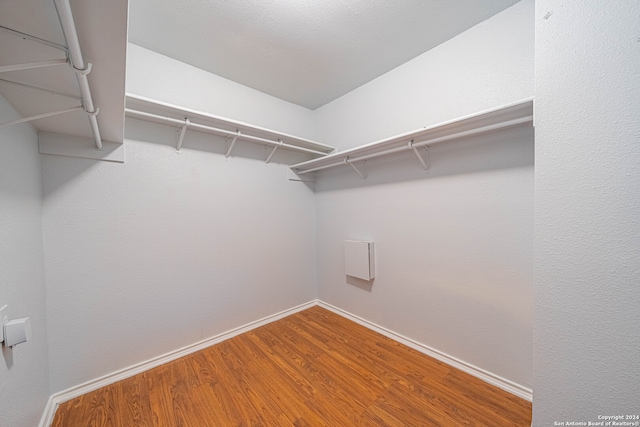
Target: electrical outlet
x,y
3,311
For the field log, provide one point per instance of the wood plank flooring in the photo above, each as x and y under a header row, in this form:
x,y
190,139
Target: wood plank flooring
x,y
313,368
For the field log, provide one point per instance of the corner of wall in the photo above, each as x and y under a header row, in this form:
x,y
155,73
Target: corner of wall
x,y
24,370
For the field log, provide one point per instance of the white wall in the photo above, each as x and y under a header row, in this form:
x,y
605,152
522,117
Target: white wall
x,y
191,87
455,246
24,375
165,250
587,204
491,64
170,248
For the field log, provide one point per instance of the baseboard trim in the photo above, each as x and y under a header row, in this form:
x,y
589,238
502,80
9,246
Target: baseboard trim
x,y
486,376
57,398
60,397
49,412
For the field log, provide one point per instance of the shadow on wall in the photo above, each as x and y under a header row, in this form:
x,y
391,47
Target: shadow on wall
x,y
365,285
505,149
499,329
7,355
69,169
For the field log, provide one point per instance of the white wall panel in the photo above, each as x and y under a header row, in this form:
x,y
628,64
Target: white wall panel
x,y
24,371
165,250
158,77
587,180
454,247
489,65
171,248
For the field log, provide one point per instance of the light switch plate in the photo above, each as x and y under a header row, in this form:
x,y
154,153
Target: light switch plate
x,y
3,311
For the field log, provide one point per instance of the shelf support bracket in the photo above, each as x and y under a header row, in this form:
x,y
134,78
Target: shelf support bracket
x,y
32,65
41,116
425,164
41,89
362,175
35,39
233,142
273,151
183,130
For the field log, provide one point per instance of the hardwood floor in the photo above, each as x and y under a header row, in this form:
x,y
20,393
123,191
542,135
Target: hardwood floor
x,y
313,368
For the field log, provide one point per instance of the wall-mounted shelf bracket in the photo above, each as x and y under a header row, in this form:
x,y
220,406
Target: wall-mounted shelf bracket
x,y
156,111
516,114
275,147
32,65
41,116
42,89
77,146
233,142
44,42
363,175
424,162
91,113
82,71
181,131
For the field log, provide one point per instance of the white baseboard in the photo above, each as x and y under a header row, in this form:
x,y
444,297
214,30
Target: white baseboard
x,y
57,398
49,412
488,377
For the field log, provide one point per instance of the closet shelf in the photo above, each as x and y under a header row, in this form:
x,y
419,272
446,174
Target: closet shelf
x,y
73,57
184,119
515,114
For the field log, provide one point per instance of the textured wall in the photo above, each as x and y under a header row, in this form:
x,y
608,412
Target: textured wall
x,y
155,76
24,374
171,248
165,250
454,246
487,66
587,204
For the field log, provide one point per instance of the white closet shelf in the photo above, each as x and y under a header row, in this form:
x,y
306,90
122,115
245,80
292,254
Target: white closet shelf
x,y
184,119
73,57
511,115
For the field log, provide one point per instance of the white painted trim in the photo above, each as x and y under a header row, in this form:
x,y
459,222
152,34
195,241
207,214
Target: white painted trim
x,y
57,398
77,146
514,114
49,412
486,376
293,176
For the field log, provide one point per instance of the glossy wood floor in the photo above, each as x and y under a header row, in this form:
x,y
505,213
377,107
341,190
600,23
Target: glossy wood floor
x,y
313,368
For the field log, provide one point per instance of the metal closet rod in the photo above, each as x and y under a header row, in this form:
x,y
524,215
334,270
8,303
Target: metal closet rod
x,y
77,62
412,146
209,129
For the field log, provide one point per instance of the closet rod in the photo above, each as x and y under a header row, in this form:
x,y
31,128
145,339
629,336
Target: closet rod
x,y
471,132
224,132
77,62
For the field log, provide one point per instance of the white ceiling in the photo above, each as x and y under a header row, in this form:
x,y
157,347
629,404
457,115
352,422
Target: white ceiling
x,y
308,52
